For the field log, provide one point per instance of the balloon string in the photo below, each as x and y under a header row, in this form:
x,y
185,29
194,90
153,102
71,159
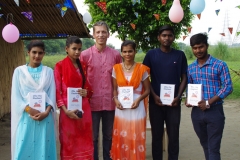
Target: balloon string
x,y
10,18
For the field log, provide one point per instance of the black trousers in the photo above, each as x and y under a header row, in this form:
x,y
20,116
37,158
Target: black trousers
x,y
171,116
209,125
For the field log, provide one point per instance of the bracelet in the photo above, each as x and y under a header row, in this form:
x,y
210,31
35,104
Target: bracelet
x,y
114,97
27,108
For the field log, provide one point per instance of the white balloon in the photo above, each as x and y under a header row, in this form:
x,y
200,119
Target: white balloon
x,y
87,18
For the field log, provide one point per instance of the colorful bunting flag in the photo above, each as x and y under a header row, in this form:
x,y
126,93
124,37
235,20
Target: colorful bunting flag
x,y
102,6
199,16
189,29
238,6
157,16
217,11
68,4
209,29
184,37
133,26
28,1
119,24
63,12
28,15
17,2
230,29
223,34
136,14
164,2
64,8
238,33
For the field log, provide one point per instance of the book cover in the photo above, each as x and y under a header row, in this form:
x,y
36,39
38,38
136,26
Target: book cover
x,y
125,96
194,94
74,99
167,93
37,101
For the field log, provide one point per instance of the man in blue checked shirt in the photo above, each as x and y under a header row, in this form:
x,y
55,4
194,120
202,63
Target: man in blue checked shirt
x,y
208,117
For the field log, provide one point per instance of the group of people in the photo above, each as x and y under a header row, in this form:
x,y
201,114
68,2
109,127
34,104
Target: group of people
x,y
100,71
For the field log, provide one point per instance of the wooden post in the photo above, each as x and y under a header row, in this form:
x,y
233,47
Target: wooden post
x,y
11,56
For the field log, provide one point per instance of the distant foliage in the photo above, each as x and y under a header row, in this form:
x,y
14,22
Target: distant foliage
x,y
221,51
87,42
188,52
57,46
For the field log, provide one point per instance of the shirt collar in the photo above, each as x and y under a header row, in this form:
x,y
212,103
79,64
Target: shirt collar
x,y
96,50
209,61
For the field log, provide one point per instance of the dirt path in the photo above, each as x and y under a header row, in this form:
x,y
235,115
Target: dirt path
x,y
190,148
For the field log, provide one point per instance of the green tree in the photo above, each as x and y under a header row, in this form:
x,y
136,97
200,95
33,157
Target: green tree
x,y
86,43
121,13
188,52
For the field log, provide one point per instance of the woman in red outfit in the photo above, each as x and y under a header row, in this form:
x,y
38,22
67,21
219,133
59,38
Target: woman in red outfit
x,y
75,133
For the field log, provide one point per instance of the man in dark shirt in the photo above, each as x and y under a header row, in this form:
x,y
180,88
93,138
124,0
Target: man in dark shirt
x,y
167,66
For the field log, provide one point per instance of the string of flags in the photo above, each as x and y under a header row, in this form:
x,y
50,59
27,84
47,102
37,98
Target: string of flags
x,y
157,16
28,15
103,6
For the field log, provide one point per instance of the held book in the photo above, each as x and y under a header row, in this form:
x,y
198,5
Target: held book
x,y
167,93
74,99
125,96
194,94
37,101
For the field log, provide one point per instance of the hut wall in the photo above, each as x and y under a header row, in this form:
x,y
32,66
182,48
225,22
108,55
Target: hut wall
x,y
11,56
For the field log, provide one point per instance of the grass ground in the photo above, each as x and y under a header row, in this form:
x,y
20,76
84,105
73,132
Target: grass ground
x,y
235,65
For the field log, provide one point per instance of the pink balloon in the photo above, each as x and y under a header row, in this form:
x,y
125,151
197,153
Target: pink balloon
x,y
10,33
176,12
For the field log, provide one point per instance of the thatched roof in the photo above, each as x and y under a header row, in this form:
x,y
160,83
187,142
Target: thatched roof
x,y
47,19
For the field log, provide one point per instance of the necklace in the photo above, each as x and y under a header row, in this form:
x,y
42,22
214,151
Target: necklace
x,y
128,69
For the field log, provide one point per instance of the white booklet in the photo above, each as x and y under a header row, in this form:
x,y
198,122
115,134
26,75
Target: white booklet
x,y
125,96
194,94
167,93
74,99
37,101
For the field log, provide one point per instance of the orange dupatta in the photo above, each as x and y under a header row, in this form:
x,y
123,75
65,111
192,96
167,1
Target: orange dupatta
x,y
138,72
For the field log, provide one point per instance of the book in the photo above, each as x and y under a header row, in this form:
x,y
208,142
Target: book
x,y
74,100
194,94
125,96
167,93
37,101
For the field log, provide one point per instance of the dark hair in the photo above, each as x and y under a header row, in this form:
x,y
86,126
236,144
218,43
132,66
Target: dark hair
x,y
128,42
74,39
198,39
164,28
36,43
101,23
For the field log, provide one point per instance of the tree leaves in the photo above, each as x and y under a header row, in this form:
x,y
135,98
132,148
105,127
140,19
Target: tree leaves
x,y
145,33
